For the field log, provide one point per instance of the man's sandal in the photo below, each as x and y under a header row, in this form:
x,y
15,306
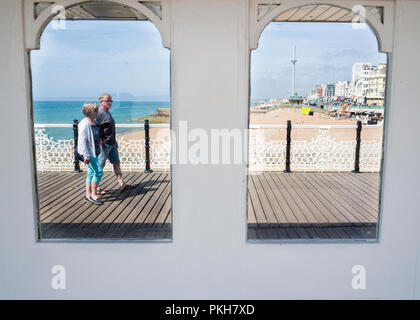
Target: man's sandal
x,y
126,187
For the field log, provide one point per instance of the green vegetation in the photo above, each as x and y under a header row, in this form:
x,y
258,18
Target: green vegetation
x,y
152,119
161,116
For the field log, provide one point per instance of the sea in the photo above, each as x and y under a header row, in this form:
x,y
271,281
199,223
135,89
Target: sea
x,y
64,112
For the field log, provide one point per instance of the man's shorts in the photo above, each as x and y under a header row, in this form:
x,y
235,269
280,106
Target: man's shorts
x,y
110,153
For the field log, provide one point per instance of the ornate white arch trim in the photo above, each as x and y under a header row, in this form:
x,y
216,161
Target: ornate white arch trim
x,y
34,25
383,30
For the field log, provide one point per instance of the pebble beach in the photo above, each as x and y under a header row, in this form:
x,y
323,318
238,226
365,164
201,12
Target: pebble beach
x,y
280,117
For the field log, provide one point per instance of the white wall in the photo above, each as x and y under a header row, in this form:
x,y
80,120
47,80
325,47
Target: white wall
x,y
208,259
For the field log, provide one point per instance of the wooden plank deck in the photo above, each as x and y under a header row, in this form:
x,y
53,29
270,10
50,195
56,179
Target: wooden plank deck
x,y
313,205
139,213
280,206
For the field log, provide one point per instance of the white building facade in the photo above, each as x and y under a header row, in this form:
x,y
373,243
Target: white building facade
x,y
356,69
342,89
376,86
370,85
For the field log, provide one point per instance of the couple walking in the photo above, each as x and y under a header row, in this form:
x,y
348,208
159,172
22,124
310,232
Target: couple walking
x,y
97,143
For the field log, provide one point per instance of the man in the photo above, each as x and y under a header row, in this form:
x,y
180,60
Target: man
x,y
106,123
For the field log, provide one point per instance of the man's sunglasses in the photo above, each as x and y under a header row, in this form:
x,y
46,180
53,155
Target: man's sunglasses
x,y
106,100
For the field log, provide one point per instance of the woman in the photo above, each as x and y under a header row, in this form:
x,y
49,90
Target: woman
x,y
89,148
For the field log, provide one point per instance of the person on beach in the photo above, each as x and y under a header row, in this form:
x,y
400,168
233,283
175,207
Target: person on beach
x,y
106,123
89,148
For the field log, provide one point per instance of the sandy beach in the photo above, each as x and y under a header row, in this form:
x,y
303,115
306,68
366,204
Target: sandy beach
x,y
280,116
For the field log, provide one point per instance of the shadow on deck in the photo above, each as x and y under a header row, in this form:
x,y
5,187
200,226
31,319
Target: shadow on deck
x,y
280,206
142,212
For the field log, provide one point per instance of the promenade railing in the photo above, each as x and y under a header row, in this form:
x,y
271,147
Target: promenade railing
x,y
58,154
336,148
317,148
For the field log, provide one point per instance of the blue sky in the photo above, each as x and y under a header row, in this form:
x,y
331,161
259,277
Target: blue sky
x,y
90,57
325,52
127,59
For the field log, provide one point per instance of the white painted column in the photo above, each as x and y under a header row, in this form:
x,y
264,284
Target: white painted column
x,y
17,220
209,60
401,220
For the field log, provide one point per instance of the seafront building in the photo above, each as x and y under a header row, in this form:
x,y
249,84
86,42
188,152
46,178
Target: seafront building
x,y
342,89
376,86
367,86
315,93
330,90
361,84
323,90
356,69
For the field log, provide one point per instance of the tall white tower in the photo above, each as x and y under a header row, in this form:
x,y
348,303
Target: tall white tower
x,y
294,67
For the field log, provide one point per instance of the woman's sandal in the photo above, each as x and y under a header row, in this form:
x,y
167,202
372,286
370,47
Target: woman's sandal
x,y
95,201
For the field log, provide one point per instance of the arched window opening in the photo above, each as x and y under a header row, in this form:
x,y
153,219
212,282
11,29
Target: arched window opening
x,y
316,130
78,62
